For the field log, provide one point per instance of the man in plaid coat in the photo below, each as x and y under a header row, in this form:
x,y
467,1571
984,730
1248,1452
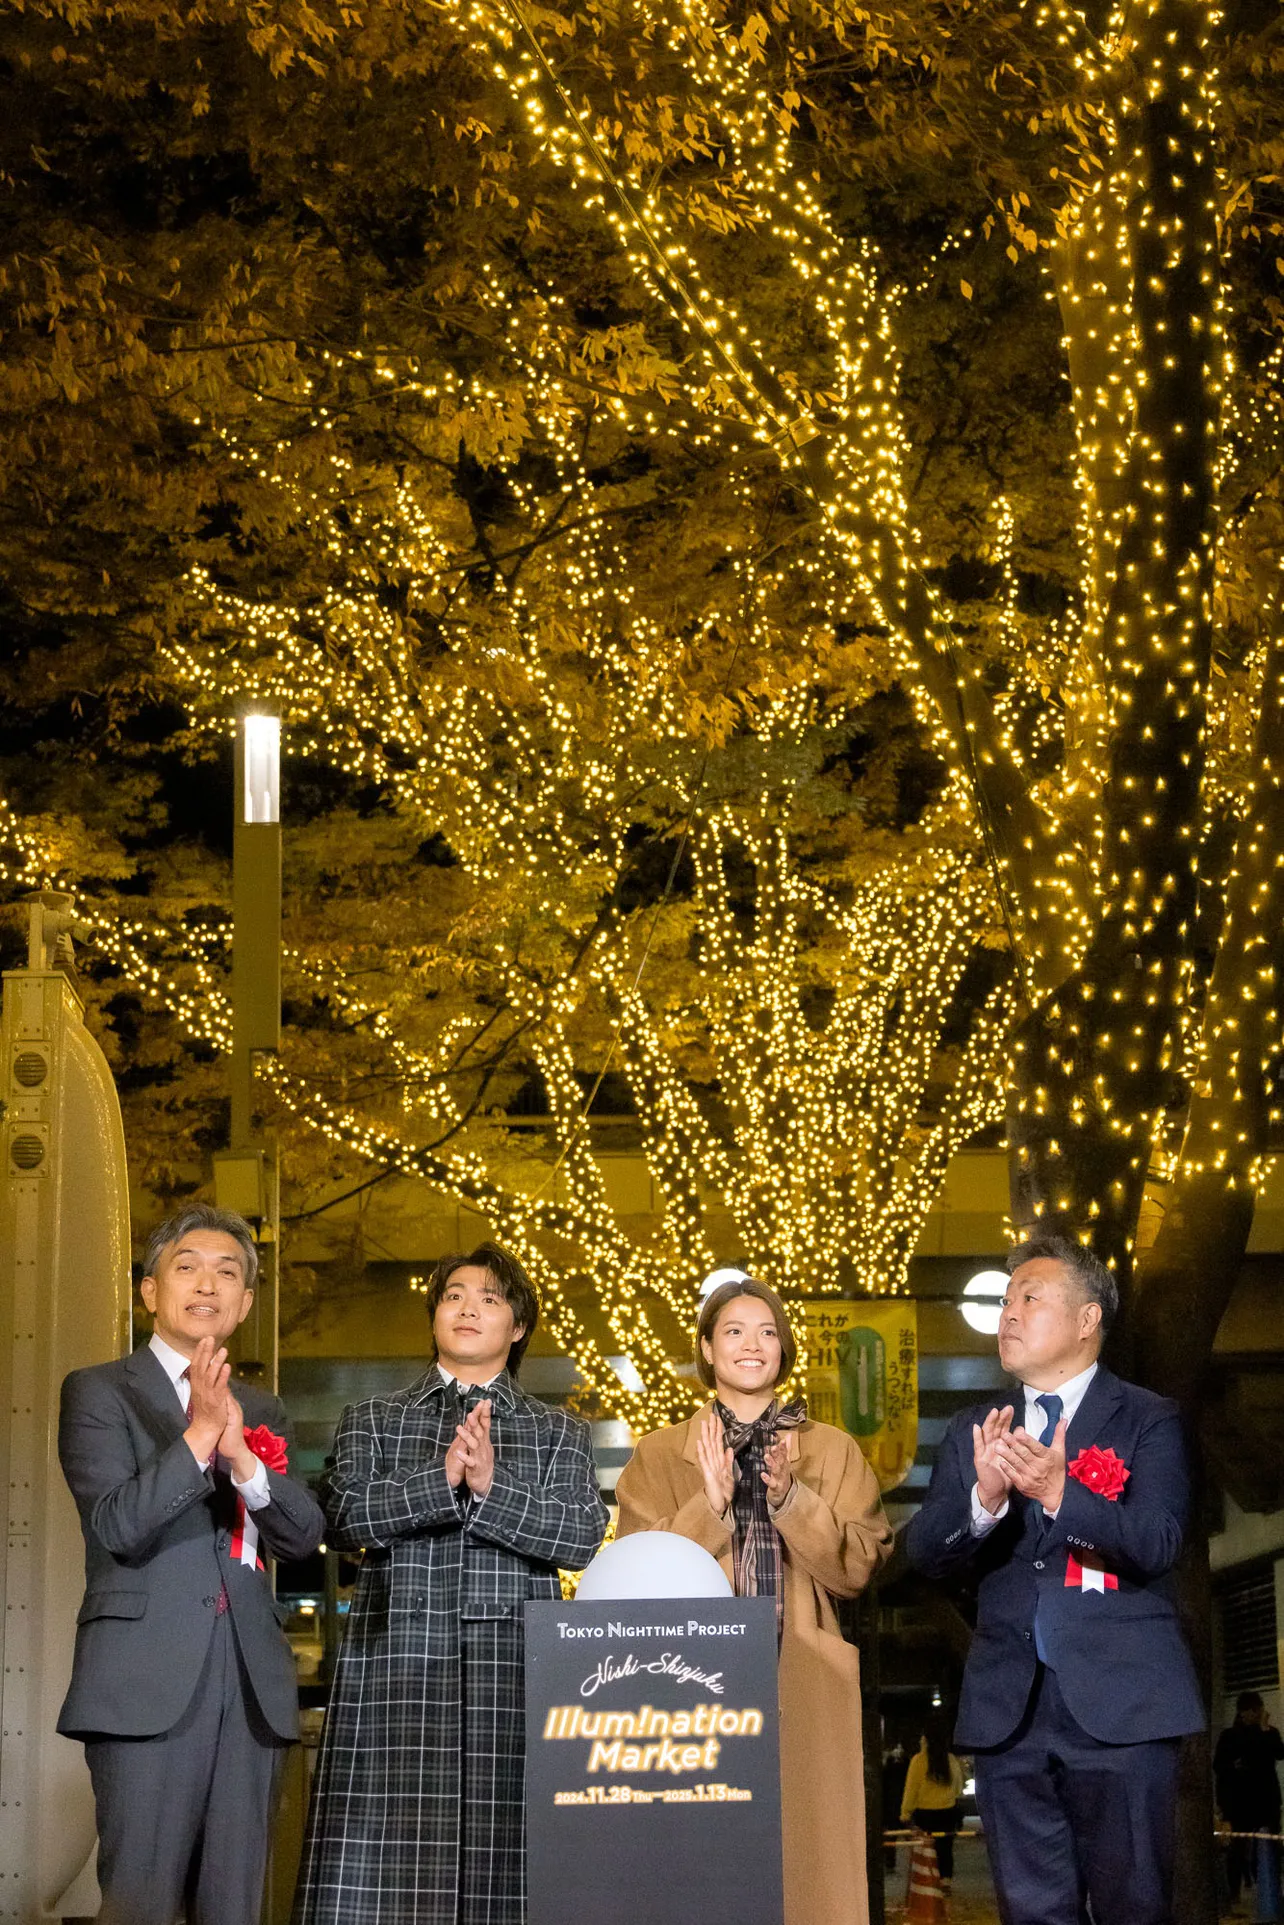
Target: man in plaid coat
x,y
466,1496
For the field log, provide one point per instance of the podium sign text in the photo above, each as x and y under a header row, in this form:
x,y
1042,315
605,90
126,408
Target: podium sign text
x,y
653,1763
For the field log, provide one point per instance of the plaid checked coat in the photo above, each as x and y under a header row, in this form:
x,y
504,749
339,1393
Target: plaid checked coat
x,y
418,1814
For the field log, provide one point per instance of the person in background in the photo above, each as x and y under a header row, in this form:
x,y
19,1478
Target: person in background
x,y
790,1509
895,1766
933,1789
1247,1785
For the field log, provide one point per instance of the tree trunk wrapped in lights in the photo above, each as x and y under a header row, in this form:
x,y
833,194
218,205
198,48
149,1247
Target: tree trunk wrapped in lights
x,y
1108,875
753,266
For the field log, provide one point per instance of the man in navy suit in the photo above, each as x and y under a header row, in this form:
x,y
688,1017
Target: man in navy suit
x,y
1078,1685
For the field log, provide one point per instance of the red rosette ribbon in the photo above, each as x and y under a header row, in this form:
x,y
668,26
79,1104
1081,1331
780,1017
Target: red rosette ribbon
x,y
1100,1471
1104,1472
271,1452
270,1449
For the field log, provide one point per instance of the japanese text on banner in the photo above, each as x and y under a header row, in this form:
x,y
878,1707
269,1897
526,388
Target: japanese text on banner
x,y
862,1375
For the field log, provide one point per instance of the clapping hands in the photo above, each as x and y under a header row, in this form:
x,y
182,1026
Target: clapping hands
x,y
717,1467
993,1481
471,1457
207,1379
1007,1460
1037,1470
777,1475
717,1464
216,1426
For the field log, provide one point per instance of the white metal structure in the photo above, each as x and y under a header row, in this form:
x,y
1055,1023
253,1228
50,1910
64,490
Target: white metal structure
x,y
64,1302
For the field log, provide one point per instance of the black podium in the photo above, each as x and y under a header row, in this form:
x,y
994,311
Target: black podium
x,y
653,1763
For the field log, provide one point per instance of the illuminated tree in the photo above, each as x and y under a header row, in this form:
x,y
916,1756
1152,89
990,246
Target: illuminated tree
x,y
1129,809
805,279
796,1012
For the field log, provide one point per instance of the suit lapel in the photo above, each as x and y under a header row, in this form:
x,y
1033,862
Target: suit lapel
x,y
151,1386
1100,1401
153,1397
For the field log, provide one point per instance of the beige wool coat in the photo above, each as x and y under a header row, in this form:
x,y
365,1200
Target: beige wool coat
x,y
833,1536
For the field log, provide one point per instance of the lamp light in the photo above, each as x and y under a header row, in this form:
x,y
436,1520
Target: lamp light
x,y
986,1291
716,1278
261,790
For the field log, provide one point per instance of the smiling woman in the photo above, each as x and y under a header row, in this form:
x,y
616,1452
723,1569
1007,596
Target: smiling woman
x,y
790,1509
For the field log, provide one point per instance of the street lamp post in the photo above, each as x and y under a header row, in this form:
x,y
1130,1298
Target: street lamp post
x,y
246,1175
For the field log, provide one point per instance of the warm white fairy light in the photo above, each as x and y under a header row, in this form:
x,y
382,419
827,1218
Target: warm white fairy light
x,y
1099,849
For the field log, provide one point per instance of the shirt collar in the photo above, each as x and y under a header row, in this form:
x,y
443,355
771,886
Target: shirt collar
x,y
500,1389
1071,1393
171,1361
448,1378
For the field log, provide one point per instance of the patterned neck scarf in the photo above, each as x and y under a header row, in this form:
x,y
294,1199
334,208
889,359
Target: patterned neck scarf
x,y
755,1542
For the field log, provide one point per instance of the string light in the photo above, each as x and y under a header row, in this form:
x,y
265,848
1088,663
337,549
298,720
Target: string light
x,y
833,1137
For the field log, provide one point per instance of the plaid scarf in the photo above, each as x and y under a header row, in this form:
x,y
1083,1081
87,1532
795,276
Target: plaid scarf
x,y
755,1542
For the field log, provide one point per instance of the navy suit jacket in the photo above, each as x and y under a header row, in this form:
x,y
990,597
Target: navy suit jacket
x,y
1121,1661
157,1550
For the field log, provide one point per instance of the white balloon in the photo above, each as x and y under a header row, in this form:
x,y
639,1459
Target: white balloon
x,y
653,1564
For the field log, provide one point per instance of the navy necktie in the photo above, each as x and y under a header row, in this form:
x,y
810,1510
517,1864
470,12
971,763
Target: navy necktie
x,y
1051,1405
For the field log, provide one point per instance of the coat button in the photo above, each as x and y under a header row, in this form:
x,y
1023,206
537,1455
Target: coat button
x,y
207,1601
1027,1635
1038,1563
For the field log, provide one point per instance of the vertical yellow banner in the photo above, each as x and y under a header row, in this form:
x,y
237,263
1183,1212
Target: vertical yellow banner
x,y
862,1375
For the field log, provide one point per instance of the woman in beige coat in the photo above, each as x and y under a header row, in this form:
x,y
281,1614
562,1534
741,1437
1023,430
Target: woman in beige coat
x,y
788,1506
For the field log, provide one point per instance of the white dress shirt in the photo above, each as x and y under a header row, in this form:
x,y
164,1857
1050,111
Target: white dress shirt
x,y
1071,1393
447,1377
255,1491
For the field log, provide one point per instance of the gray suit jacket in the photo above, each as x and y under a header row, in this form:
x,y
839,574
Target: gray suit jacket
x,y
157,1535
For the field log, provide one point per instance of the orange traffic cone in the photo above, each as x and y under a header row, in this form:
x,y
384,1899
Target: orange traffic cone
x,y
924,1899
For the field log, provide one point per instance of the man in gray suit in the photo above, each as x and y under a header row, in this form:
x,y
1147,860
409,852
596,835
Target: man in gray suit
x,y
182,1687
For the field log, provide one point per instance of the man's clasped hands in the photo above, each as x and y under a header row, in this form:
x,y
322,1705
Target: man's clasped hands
x,y
1008,1460
217,1422
471,1458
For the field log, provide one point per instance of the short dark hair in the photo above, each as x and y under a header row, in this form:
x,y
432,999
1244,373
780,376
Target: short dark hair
x,y
716,1302
1249,1701
202,1216
519,1291
1086,1268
